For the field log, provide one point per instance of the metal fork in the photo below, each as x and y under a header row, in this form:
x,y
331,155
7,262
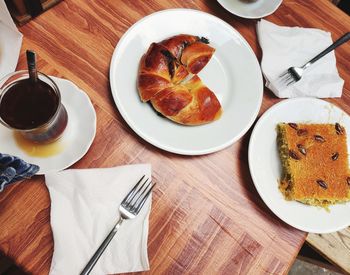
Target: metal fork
x,y
129,208
294,74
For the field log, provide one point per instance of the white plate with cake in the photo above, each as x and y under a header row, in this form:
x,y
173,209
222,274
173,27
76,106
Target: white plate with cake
x,y
300,178
228,84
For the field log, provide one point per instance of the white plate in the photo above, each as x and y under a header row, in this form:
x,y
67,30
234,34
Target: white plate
x,y
76,139
251,9
233,74
265,167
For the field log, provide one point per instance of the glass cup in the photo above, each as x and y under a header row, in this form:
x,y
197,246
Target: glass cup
x,y
43,118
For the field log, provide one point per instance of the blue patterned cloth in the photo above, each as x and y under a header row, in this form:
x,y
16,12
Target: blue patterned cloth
x,y
13,169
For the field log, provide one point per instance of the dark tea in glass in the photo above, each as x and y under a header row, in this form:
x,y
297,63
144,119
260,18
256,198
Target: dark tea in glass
x,y
34,109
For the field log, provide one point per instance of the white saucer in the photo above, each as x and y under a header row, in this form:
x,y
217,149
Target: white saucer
x,y
233,74
251,9
265,167
76,139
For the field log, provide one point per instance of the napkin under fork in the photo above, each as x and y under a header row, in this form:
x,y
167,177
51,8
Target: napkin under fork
x,y
284,47
84,207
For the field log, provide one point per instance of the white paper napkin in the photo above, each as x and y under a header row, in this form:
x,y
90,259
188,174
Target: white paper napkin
x,y
284,47
10,42
84,208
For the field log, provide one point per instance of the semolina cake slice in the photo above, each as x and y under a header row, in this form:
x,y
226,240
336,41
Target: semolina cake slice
x,y
314,163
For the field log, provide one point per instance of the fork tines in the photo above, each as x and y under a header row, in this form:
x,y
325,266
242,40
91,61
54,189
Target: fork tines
x,y
138,195
289,77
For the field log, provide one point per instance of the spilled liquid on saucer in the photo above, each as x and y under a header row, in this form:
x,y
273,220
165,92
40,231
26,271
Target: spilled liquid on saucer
x,y
38,150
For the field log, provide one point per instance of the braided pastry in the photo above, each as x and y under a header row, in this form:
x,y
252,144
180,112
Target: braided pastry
x,y
162,80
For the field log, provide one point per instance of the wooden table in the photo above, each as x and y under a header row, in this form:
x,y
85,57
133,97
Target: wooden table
x,y
206,217
335,247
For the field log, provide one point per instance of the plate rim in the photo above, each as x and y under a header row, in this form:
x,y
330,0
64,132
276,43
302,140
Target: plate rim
x,y
257,186
247,16
151,140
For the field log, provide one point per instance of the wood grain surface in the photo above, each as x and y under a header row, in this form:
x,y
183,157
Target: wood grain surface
x,y
207,217
335,247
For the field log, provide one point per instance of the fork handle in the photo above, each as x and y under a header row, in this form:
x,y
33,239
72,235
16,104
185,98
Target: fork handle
x,y
90,265
336,44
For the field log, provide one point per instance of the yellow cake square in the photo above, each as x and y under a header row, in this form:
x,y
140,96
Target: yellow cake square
x,y
314,163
